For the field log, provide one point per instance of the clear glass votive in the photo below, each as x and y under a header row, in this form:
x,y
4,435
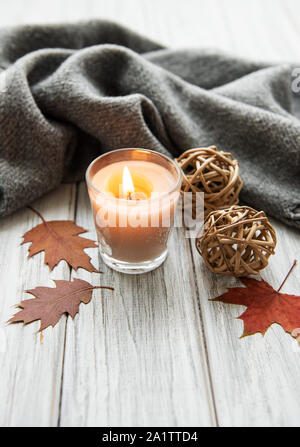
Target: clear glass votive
x,y
133,193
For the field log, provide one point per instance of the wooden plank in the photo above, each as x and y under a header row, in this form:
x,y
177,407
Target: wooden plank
x,y
255,379
135,357
106,360
259,31
31,369
229,25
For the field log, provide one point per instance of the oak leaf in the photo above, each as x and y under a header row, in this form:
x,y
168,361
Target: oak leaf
x,y
50,303
265,306
60,241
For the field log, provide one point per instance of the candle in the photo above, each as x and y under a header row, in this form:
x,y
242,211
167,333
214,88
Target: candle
x,y
133,193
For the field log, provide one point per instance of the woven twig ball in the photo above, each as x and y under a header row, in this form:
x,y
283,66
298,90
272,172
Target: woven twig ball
x,y
213,172
237,241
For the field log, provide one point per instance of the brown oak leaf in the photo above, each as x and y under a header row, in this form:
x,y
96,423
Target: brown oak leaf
x,y
265,306
60,241
50,303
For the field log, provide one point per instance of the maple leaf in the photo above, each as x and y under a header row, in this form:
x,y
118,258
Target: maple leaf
x,y
50,303
265,306
60,241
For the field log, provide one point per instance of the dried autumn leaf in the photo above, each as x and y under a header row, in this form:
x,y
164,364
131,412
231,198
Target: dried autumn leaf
x,y
60,241
50,303
265,306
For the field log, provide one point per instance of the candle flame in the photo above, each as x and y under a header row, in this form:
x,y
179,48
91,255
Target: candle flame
x,y
128,187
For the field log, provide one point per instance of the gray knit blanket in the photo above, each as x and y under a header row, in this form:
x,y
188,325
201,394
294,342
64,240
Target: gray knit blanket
x,y
71,92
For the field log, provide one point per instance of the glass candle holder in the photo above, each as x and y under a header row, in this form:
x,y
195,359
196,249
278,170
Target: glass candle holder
x,y
133,193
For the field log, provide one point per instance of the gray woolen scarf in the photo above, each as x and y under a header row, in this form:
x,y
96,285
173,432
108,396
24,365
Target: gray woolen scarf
x,y
71,92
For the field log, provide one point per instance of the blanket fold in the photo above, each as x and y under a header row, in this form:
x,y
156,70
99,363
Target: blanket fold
x,y
69,93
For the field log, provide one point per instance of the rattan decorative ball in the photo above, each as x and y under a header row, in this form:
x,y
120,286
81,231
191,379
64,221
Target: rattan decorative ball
x,y
213,172
237,241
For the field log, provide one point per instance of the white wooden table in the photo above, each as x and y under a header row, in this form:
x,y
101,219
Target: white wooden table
x,y
156,352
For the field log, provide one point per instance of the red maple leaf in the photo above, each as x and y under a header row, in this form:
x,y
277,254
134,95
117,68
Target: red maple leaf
x,y
50,303
265,306
60,241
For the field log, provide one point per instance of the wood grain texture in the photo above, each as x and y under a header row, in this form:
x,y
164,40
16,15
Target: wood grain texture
x,y
31,369
246,29
156,351
255,379
139,349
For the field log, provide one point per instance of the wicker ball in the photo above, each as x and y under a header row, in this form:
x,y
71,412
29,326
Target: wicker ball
x,y
213,172
237,241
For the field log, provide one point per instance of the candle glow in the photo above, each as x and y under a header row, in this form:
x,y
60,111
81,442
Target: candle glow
x,y
134,193
127,185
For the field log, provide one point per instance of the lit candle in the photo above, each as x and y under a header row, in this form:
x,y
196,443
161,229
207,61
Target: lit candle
x,y
133,193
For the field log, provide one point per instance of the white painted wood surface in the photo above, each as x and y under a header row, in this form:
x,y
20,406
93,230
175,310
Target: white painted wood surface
x,y
31,370
139,349
156,351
